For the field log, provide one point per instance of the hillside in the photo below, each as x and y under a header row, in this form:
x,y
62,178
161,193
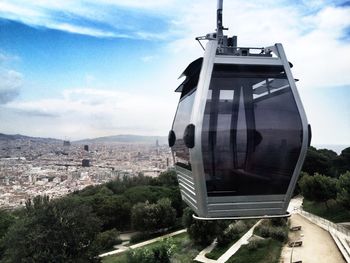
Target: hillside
x,y
126,139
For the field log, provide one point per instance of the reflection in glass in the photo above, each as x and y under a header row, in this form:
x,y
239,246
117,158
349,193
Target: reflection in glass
x,y
252,131
182,119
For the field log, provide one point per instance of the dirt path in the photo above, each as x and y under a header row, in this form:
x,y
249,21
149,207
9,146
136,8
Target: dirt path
x,y
318,246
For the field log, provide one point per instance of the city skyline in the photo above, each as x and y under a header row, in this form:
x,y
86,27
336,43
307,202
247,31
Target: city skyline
x,y
97,68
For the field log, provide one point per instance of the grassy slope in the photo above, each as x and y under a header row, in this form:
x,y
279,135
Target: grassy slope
x,y
269,253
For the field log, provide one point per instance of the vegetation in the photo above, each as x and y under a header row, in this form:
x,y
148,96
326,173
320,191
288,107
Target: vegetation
x,y
266,251
151,217
80,226
343,185
180,249
326,162
229,236
202,232
319,188
325,184
335,212
107,239
52,231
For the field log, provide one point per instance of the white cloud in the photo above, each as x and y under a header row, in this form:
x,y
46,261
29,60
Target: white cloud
x,y
71,16
11,82
99,111
310,31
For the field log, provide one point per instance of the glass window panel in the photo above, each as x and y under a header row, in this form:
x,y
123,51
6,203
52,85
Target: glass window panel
x,y
182,119
252,131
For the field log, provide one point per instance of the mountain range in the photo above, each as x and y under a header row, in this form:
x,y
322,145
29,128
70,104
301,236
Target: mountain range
x,y
106,139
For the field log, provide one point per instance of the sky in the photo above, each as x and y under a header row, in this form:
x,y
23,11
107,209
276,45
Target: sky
x,y
87,68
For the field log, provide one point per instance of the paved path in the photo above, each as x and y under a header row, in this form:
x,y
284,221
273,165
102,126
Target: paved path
x,y
230,252
318,246
122,248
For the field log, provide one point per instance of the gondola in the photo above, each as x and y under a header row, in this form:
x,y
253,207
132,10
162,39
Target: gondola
x,y
240,133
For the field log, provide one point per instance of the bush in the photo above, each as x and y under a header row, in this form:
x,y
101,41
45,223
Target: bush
x,y
343,186
279,221
107,239
152,217
139,237
232,233
255,244
277,233
319,188
158,254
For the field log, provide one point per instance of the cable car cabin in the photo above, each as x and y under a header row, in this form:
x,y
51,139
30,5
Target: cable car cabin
x,y
240,133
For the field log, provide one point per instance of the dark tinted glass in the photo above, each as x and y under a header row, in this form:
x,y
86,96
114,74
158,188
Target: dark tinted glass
x,y
182,119
252,131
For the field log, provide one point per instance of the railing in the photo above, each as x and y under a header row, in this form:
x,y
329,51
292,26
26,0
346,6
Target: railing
x,y
327,225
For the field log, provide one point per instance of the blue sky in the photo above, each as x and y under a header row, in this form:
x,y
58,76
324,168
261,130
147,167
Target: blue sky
x,y
78,69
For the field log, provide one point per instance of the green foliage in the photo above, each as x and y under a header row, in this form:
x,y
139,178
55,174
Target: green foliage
x,y
202,232
168,178
112,202
6,220
279,221
255,244
318,161
268,251
53,231
151,217
326,162
342,163
144,193
267,229
232,233
335,212
343,186
114,211
318,188
107,239
158,254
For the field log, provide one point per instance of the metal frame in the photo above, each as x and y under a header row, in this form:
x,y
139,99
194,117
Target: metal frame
x,y
257,206
192,183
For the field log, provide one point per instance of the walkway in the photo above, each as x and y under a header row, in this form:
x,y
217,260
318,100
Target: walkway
x,y
318,245
230,252
121,248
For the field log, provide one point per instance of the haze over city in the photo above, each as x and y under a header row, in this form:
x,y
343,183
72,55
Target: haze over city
x,y
85,69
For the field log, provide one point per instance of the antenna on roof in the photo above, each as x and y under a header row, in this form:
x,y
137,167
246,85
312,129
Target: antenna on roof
x,y
219,26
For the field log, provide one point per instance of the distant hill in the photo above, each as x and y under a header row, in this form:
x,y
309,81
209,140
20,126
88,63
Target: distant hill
x,y
126,138
5,137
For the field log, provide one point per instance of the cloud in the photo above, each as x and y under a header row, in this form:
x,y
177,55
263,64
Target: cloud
x,y
89,112
11,82
103,19
311,33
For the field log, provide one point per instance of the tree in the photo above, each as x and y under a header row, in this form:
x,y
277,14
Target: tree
x,y
342,162
113,211
168,178
6,220
319,161
107,239
343,186
150,217
202,232
53,231
319,188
